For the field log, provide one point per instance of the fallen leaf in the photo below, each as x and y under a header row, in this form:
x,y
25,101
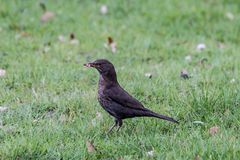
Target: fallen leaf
x,y
110,40
112,45
25,34
197,157
90,147
184,74
47,16
200,47
3,109
22,34
2,72
213,130
73,39
72,36
221,45
103,9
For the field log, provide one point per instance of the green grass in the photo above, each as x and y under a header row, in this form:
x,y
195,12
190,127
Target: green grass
x,y
51,97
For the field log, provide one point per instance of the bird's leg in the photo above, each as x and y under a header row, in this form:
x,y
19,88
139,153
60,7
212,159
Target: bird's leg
x,y
119,124
115,124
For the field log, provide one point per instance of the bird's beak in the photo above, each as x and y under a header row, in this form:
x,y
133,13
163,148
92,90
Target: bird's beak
x,y
89,65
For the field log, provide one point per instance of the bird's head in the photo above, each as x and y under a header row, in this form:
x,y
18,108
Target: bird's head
x,y
104,67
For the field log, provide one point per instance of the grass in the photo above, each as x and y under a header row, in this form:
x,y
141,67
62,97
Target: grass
x,y
51,97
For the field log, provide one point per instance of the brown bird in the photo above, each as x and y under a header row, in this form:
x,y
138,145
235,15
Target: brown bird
x,y
115,100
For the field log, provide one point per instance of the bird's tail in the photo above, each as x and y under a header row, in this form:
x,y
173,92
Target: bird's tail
x,y
153,114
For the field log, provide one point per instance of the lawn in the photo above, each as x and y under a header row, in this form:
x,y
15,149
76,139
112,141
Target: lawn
x,y
48,100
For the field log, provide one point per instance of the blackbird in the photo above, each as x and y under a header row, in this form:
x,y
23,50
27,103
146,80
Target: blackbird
x,y
115,100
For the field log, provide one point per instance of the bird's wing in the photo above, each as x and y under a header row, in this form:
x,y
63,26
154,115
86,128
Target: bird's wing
x,y
120,96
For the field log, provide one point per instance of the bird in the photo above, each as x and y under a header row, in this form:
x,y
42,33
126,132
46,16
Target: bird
x,y
117,101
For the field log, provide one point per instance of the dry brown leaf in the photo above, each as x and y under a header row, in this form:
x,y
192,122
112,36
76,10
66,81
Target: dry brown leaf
x,y
72,36
213,130
221,45
25,34
90,147
73,39
47,16
112,45
197,157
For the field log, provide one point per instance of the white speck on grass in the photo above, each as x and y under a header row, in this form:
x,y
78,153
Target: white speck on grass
x,y
46,49
113,47
188,58
200,47
2,72
198,122
232,80
104,9
74,42
150,153
61,38
229,15
149,75
3,109
99,115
